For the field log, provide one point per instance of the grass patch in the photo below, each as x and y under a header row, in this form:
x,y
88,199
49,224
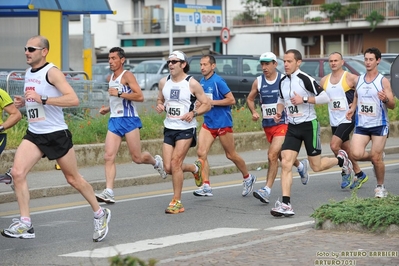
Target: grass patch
x,y
373,213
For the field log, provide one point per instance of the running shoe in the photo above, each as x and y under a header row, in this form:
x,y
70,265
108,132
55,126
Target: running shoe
x,y
6,178
101,226
204,191
347,165
19,230
198,175
175,207
359,181
248,184
347,180
282,209
159,166
262,195
380,192
304,173
105,197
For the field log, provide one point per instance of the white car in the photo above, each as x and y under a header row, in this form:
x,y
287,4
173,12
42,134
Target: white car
x,y
149,72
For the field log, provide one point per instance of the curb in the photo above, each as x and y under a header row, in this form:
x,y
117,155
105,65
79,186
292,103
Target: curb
x,y
143,180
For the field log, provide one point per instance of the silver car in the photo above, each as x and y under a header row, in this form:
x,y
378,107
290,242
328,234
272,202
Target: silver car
x,y
102,72
149,72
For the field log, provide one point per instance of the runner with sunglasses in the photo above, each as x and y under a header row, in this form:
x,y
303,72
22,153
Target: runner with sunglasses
x,y
46,92
177,95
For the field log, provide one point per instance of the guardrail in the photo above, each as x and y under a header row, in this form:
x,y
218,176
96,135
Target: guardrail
x,y
92,95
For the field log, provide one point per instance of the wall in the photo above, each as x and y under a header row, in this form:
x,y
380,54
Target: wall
x,y
14,33
254,44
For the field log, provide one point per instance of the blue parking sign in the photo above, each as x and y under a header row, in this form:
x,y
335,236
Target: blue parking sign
x,y
197,18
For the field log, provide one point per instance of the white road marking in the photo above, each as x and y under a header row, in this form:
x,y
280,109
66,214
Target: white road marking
x,y
156,243
289,226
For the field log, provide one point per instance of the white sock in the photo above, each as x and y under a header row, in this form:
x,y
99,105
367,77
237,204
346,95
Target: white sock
x,y
110,191
99,213
196,168
26,220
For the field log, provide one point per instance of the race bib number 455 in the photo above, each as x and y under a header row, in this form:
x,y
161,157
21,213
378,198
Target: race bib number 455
x,y
174,110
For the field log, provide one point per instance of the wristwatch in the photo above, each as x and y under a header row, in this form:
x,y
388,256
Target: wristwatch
x,y
119,94
2,129
305,99
195,113
44,99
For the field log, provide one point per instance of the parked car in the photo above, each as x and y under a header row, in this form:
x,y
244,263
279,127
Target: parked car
x,y
389,57
149,72
239,71
384,67
101,71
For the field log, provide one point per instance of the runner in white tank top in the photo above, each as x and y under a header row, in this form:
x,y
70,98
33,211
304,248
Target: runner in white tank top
x,y
46,92
124,122
340,87
372,100
176,97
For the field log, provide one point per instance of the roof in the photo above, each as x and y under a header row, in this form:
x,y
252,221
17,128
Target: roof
x,y
30,8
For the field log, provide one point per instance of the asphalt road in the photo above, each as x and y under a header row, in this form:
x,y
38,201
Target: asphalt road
x,y
224,224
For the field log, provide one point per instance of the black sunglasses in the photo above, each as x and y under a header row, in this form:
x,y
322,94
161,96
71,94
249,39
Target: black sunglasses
x,y
31,49
173,61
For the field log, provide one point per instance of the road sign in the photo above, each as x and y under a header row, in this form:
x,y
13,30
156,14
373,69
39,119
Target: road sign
x,y
197,15
225,35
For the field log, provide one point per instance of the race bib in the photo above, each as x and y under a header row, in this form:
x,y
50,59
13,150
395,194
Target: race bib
x,y
368,109
294,110
338,104
35,112
269,110
174,110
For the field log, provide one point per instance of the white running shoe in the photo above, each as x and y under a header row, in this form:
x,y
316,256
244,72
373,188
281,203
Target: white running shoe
x,y
380,192
204,191
282,209
105,197
248,184
19,230
304,173
262,195
347,166
159,166
101,226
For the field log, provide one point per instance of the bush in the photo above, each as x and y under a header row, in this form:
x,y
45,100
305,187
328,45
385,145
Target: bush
x,y
374,214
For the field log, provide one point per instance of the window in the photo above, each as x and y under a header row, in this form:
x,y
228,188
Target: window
x,y
250,67
393,46
74,17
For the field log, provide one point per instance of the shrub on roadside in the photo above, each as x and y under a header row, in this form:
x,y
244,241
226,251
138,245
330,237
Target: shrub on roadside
x,y
372,213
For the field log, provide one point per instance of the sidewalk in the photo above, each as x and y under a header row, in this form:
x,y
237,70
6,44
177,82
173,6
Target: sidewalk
x,y
52,183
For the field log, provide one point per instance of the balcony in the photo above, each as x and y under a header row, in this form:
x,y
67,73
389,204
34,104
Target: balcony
x,y
275,19
283,17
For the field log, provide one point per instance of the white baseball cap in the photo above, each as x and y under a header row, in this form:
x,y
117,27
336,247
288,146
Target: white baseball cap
x,y
179,54
267,57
